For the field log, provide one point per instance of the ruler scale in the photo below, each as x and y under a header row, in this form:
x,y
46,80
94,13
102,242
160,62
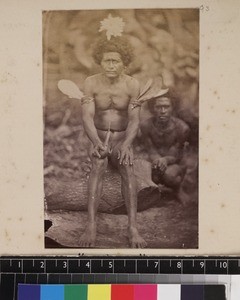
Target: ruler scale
x,y
79,269
117,265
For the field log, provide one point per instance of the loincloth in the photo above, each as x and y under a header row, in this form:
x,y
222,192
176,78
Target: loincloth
x,y
116,137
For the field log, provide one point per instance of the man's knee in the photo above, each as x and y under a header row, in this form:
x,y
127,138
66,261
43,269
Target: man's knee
x,y
99,164
126,170
172,181
173,175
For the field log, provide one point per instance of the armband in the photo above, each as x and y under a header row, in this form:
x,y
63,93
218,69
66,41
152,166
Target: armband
x,y
135,104
86,100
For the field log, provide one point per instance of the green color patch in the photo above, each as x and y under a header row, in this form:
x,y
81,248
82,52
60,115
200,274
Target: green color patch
x,y
75,292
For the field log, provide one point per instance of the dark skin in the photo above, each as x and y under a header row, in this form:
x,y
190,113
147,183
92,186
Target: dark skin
x,y
164,137
113,93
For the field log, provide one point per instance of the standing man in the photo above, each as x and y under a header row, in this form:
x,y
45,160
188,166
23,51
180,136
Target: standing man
x,y
107,110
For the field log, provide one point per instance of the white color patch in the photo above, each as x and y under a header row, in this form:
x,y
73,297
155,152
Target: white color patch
x,y
169,291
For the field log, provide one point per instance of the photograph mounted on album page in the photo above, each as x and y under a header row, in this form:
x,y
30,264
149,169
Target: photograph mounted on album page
x,y
119,128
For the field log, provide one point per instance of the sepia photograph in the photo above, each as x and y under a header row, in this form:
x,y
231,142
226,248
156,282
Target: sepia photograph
x,y
121,128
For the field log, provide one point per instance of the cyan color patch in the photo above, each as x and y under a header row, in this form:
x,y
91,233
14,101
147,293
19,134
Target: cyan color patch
x,y
52,292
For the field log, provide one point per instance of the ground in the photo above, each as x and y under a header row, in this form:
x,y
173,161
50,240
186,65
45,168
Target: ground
x,y
171,226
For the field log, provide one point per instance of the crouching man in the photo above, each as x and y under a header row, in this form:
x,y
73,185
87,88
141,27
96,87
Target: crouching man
x,y
164,136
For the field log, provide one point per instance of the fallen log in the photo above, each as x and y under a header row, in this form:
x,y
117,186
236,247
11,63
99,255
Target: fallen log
x,y
148,193
73,196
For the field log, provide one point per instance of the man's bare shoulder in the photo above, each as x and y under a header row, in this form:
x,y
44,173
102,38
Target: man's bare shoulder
x,y
93,78
133,86
180,123
146,124
181,126
131,81
91,83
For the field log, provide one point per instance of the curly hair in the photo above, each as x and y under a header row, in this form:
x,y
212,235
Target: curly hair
x,y
116,44
171,95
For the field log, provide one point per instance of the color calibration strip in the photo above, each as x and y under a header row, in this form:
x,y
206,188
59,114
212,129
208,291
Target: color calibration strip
x,y
120,292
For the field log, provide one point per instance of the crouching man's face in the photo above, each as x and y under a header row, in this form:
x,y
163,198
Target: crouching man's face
x,y
162,109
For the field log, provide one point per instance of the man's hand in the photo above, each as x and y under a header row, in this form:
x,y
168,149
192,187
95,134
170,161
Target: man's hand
x,y
98,148
160,163
125,155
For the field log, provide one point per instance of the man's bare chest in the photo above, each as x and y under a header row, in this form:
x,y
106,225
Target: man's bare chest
x,y
163,139
111,99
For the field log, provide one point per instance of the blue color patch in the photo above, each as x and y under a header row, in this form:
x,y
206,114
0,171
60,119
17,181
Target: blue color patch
x,y
28,292
52,292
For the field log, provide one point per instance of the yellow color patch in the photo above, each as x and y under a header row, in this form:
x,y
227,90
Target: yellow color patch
x,y
99,292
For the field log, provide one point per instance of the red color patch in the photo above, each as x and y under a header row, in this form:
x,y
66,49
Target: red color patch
x,y
122,292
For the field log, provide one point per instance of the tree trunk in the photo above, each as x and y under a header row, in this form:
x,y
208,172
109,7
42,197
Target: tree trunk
x,y
74,195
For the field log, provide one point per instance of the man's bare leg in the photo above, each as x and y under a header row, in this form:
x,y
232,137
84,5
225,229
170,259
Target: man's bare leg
x,y
173,176
94,194
130,196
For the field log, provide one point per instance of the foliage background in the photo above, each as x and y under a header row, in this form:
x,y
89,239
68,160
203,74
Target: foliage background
x,y
166,45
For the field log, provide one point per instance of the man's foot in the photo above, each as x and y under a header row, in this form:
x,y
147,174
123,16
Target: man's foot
x,y
136,241
163,189
88,238
183,198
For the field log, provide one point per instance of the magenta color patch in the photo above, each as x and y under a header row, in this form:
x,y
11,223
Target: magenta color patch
x,y
145,292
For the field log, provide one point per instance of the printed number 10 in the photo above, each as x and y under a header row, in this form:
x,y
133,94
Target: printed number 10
x,y
223,265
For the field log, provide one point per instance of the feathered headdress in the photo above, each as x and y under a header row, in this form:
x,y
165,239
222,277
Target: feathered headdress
x,y
113,26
